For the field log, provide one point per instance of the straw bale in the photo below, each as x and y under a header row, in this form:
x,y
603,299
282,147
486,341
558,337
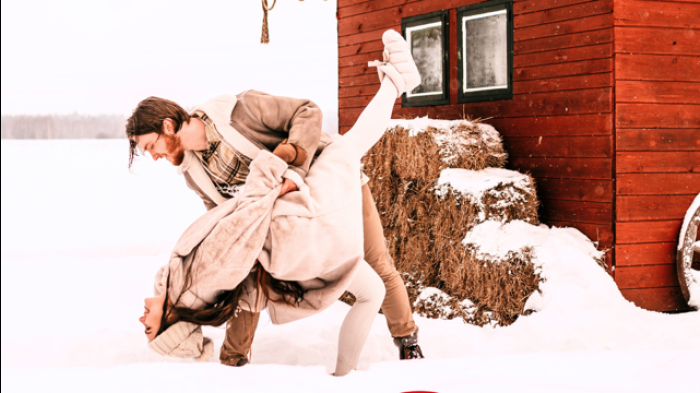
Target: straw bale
x,y
499,287
509,196
436,304
426,220
422,153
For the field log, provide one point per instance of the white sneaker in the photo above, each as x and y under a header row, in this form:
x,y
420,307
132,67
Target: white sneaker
x,y
398,63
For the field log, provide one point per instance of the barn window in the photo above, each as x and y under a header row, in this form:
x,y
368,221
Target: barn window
x,y
485,51
427,36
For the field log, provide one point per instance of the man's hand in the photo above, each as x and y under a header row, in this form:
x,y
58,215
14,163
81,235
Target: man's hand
x,y
288,186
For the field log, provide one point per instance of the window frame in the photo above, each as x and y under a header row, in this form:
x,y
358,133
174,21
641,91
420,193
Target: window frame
x,y
475,9
433,99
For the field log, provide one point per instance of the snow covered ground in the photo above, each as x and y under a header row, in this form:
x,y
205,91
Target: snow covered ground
x,y
82,238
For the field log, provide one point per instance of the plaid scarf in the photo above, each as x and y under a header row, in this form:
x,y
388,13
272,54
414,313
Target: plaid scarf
x,y
227,168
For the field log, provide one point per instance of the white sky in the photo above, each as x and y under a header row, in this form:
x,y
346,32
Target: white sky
x,y
103,56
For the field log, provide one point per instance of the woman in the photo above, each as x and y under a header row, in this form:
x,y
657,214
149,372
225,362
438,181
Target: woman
x,y
295,253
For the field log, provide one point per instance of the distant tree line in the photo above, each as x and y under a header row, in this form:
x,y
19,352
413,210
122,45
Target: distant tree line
x,y
63,127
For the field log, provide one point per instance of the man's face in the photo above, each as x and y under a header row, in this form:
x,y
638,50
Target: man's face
x,y
166,145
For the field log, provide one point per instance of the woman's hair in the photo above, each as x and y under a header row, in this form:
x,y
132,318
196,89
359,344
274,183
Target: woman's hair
x,y
226,304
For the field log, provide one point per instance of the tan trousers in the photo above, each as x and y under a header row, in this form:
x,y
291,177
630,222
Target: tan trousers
x,y
396,307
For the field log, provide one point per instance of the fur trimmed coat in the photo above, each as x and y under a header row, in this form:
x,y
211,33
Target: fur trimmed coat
x,y
313,236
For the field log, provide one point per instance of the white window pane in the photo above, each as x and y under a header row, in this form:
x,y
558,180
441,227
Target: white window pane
x,y
486,51
426,46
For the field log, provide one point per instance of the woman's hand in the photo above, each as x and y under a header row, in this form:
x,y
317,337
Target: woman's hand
x,y
288,186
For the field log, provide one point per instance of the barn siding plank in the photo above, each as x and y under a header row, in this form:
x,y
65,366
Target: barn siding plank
x,y
658,115
369,6
364,37
658,162
360,59
658,139
646,254
657,92
657,13
647,231
562,42
653,276
560,146
558,56
567,83
360,70
568,168
555,125
654,40
575,11
355,102
562,28
560,70
600,233
355,91
657,299
372,21
577,212
348,3
365,47
358,80
575,190
542,5
658,184
657,68
647,208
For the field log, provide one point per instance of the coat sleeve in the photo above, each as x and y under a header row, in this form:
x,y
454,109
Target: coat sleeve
x,y
300,118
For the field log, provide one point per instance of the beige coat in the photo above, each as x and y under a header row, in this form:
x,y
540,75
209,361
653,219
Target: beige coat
x,y
313,236
253,121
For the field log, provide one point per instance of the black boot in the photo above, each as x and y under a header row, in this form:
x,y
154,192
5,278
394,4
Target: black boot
x,y
408,347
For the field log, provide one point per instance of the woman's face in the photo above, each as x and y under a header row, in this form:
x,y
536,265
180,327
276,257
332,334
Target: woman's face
x,y
152,315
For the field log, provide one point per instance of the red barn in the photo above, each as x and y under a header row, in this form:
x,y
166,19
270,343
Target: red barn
x,y
598,100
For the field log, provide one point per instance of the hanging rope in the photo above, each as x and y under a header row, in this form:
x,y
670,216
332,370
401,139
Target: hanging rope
x,y
265,38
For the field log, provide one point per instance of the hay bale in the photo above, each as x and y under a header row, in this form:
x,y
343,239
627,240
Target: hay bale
x,y
499,287
421,148
427,207
436,304
499,194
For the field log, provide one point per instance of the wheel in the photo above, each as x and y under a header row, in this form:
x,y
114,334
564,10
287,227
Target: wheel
x,y
688,256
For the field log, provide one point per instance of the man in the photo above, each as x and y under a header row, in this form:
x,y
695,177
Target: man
x,y
213,147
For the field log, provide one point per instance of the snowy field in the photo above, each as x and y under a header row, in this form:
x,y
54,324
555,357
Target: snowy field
x,y
82,238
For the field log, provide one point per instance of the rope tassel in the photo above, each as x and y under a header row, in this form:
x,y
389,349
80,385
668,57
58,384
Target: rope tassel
x,y
265,37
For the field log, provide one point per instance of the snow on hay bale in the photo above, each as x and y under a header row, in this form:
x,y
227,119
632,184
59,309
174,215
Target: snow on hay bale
x,y
433,182
421,148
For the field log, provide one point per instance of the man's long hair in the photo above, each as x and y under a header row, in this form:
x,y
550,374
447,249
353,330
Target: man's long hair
x,y
148,117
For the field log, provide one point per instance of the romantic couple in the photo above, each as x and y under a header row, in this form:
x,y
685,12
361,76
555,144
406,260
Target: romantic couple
x,y
291,224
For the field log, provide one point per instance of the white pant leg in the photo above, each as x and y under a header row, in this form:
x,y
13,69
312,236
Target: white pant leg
x,y
369,291
374,120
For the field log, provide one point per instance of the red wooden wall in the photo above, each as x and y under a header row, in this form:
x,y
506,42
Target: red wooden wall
x,y
657,122
562,121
